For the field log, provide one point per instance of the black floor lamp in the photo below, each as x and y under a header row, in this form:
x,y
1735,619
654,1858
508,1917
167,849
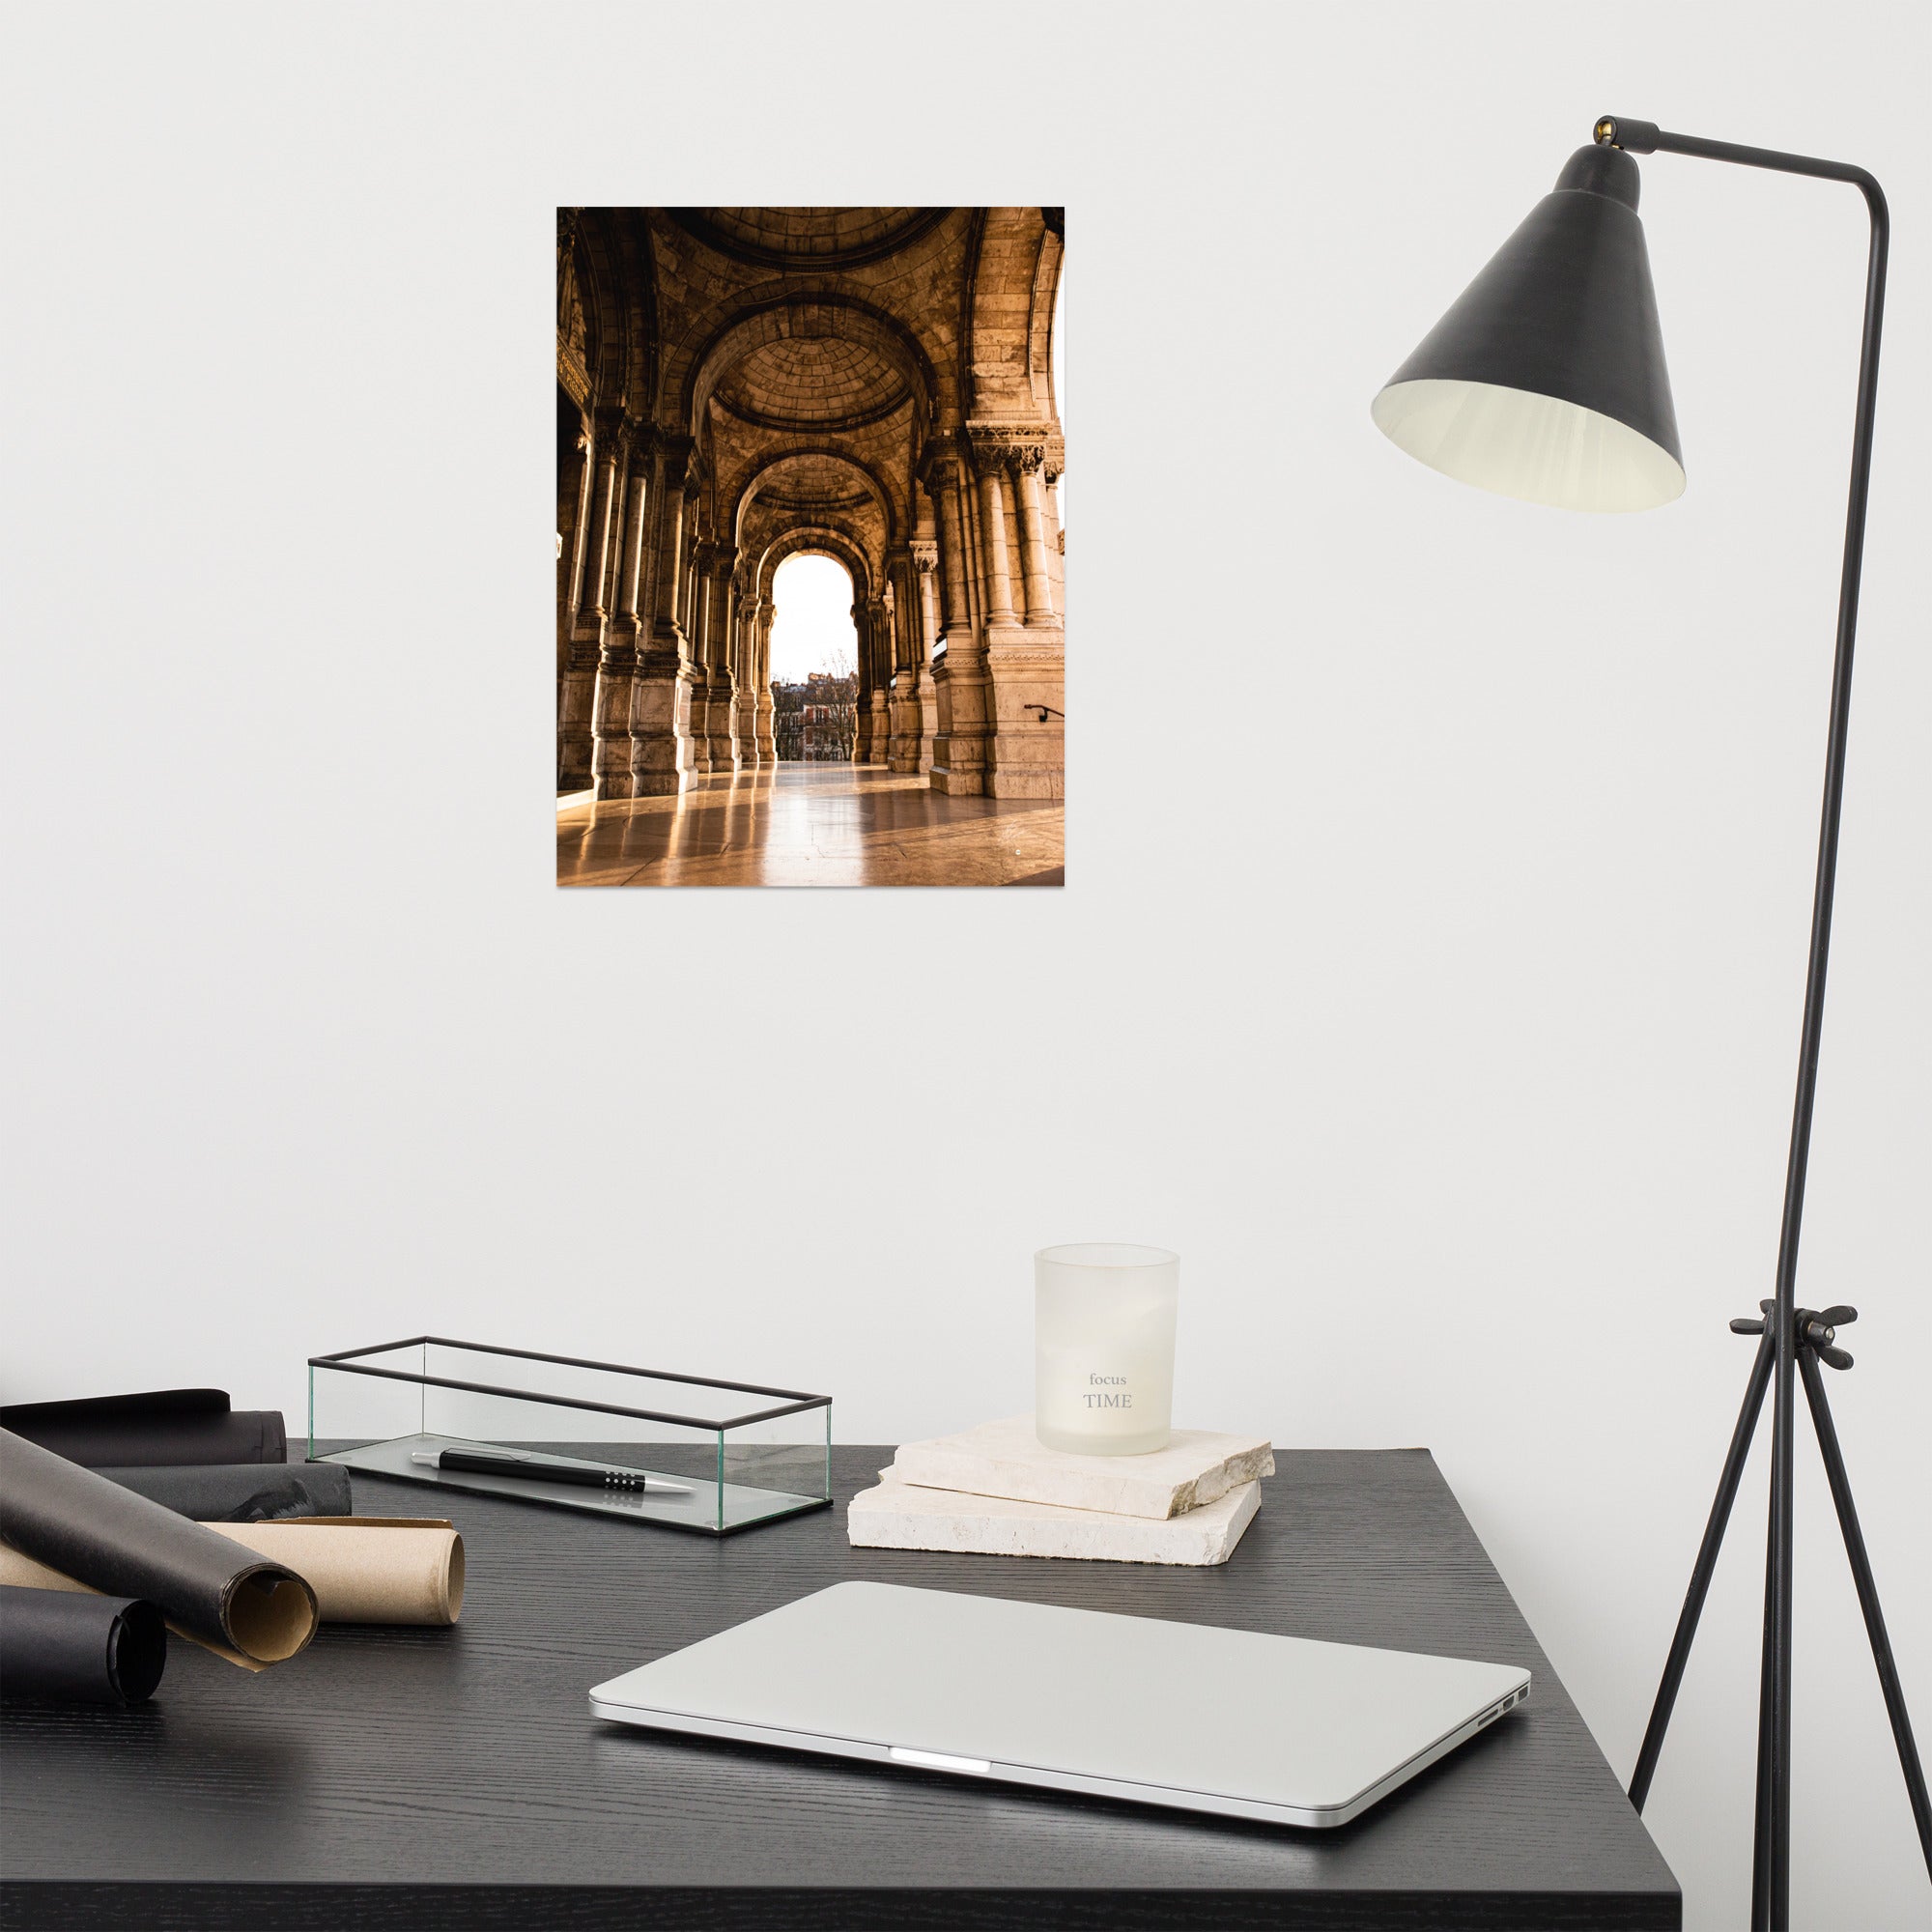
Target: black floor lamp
x,y
1546,381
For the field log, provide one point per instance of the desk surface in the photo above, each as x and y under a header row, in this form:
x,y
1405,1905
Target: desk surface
x,y
440,1779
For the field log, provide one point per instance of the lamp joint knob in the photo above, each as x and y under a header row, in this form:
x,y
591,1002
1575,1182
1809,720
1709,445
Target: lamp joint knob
x,y
1618,130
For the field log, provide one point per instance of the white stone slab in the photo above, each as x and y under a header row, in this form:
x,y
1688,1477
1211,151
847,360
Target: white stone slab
x,y
1006,1459
902,1516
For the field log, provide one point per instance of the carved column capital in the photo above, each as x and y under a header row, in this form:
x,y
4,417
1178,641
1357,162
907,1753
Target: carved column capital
x,y
1026,448
939,462
925,555
991,457
610,430
677,452
725,560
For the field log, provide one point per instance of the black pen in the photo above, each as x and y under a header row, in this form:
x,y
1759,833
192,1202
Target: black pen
x,y
531,1469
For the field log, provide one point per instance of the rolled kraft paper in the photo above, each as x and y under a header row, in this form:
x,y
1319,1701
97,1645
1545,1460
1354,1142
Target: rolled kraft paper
x,y
105,1537
22,1572
242,1491
18,1571
160,1425
79,1649
367,1569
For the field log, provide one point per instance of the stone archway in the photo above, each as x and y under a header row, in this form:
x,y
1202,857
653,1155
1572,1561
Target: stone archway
x,y
816,604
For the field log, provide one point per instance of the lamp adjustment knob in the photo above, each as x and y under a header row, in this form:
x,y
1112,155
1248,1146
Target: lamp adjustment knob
x,y
1619,130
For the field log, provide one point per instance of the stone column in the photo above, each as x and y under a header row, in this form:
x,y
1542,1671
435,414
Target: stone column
x,y
1033,535
661,710
617,667
1025,663
877,741
949,511
745,700
958,674
998,577
695,744
575,723
862,683
722,705
768,751
698,584
587,491
922,717
1054,536
898,610
574,485
692,615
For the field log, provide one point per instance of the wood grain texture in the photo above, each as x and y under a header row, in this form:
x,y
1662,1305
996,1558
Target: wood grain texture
x,y
434,1778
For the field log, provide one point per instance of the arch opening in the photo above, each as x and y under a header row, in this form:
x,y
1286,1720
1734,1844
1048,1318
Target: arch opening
x,y
814,660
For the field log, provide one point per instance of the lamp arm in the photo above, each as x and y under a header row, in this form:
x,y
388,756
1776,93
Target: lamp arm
x,y
1772,1900
1646,137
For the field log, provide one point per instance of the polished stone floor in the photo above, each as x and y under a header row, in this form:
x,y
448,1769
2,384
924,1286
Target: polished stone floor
x,y
813,825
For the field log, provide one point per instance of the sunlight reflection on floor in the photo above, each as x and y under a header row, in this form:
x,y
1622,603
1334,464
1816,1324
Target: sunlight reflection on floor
x,y
813,825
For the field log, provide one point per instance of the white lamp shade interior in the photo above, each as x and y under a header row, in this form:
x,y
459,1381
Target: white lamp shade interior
x,y
1535,447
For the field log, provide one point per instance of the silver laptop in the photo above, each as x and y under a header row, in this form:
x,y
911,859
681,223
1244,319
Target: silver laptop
x,y
1279,1728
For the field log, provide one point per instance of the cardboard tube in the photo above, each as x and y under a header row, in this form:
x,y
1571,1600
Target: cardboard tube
x,y
366,1570
363,1570
89,1533
19,1572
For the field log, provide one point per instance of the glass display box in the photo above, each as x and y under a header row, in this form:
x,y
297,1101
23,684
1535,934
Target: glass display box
x,y
683,1452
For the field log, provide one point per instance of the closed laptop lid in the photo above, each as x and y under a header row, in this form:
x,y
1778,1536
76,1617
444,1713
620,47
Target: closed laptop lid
x,y
1279,1722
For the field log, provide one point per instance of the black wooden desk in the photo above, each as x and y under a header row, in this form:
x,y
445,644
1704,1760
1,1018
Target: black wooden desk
x,y
432,1779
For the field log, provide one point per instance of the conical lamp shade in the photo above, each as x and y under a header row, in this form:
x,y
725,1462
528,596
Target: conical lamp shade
x,y
1546,380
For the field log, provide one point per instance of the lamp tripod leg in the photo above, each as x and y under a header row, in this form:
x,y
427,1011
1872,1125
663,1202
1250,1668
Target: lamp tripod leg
x,y
1762,1826
1779,1571
1867,1588
1701,1572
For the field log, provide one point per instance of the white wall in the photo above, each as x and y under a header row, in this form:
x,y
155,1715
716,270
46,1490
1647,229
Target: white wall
x,y
1431,969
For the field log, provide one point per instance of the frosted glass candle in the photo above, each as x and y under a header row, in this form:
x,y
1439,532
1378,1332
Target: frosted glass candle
x,y
1103,1347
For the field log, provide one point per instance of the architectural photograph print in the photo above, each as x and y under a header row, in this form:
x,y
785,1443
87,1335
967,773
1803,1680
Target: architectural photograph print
x,y
810,547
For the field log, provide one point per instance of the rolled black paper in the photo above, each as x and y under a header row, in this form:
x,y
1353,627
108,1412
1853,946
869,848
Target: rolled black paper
x,y
79,1649
162,1426
207,1587
242,1492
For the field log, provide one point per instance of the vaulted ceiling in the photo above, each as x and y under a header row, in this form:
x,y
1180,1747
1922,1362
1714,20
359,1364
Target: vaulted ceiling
x,y
810,352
